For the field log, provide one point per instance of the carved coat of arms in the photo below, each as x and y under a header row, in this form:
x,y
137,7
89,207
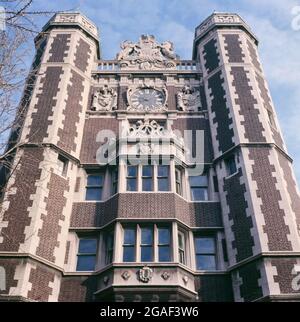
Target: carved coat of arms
x,y
145,274
104,99
147,54
188,99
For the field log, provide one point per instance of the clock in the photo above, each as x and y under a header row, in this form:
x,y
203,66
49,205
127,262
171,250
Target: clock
x,y
147,99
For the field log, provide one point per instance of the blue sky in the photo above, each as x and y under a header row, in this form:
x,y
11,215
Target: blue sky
x,y
175,20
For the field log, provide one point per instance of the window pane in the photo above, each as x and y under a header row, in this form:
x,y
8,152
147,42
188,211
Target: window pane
x,y
181,257
147,171
163,184
206,262
205,245
131,185
164,254
180,241
128,254
196,181
199,194
86,263
230,165
146,254
95,180
147,236
132,171
147,184
87,246
129,236
178,188
163,171
163,235
93,193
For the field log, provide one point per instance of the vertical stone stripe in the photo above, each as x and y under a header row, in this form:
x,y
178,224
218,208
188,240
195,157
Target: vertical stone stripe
x,y
253,56
211,55
263,173
241,223
246,101
172,92
291,186
233,48
40,278
67,252
222,117
46,101
122,99
19,199
59,48
82,55
73,108
55,203
264,94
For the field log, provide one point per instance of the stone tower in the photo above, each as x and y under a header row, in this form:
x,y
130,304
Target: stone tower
x,y
108,200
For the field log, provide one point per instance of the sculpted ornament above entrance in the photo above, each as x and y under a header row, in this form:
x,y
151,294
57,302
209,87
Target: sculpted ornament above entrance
x,y
147,54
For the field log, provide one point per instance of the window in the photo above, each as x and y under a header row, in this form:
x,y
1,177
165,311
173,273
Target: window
x,y
164,242
163,178
199,187
94,187
146,244
86,257
205,253
114,181
230,165
181,247
62,165
129,244
147,178
132,171
178,179
109,247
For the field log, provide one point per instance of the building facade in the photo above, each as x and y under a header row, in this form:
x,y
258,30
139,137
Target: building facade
x,y
147,177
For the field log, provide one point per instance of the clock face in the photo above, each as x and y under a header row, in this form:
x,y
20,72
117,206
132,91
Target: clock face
x,y
147,99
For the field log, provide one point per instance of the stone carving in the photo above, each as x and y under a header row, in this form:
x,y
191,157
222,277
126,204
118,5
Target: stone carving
x,y
125,275
104,99
165,275
185,279
147,54
147,98
67,18
145,148
188,99
227,18
145,274
217,18
147,128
